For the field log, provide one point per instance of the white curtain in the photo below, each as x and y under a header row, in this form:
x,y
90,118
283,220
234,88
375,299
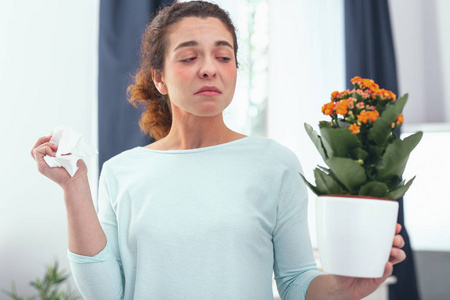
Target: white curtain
x,y
307,63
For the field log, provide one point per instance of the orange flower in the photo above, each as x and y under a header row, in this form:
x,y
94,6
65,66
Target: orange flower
x,y
354,128
385,94
362,117
341,107
393,96
328,108
390,94
334,94
399,119
365,116
373,115
369,84
355,79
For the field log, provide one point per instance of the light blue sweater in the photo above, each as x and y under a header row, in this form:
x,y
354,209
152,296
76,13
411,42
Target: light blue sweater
x,y
206,223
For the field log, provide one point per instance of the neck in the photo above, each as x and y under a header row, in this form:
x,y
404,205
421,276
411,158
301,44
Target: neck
x,y
190,132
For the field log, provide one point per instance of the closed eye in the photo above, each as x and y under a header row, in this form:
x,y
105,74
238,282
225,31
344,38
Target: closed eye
x,y
189,59
224,59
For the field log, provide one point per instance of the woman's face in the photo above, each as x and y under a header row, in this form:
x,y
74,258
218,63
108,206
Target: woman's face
x,y
199,68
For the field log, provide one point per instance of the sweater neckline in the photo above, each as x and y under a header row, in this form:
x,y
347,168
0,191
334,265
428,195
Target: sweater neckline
x,y
195,150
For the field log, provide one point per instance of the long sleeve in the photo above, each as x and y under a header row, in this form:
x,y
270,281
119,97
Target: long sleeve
x,y
294,264
101,276
206,223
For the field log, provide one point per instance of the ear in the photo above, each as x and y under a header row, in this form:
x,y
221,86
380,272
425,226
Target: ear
x,y
159,82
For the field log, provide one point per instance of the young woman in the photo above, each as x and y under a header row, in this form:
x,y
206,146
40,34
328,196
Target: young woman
x,y
204,212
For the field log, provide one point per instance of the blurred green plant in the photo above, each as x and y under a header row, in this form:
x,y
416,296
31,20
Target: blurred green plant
x,y
48,288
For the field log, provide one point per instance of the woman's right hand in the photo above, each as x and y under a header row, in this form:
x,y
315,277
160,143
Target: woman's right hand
x,y
58,174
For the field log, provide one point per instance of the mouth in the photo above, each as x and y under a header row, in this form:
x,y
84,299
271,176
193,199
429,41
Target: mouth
x,y
208,91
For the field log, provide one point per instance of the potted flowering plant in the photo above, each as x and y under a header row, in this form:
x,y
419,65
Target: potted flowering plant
x,y
365,160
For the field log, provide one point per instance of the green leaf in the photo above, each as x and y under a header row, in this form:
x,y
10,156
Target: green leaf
x,y
13,294
374,189
48,287
325,183
349,173
393,182
374,153
312,187
394,160
339,141
381,129
317,141
359,153
328,171
324,124
400,190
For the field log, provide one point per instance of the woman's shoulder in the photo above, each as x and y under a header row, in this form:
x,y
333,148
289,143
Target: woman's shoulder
x,y
271,145
273,150
126,158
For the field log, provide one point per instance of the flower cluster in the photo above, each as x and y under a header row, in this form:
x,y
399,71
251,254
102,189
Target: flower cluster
x,y
361,107
362,153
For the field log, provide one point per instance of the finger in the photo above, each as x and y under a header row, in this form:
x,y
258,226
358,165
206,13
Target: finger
x,y
52,145
399,242
397,255
398,228
388,269
35,152
39,142
41,151
42,140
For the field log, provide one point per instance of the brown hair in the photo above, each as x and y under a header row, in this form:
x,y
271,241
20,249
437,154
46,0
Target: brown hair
x,y
156,120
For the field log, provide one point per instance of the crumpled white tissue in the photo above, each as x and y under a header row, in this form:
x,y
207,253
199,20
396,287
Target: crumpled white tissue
x,y
68,141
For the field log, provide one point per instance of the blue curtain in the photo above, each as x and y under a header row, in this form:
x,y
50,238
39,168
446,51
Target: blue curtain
x,y
370,54
122,22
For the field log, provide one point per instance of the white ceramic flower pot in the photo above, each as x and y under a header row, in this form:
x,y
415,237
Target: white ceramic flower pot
x,y
355,235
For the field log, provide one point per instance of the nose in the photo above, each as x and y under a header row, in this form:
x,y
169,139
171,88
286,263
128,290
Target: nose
x,y
208,69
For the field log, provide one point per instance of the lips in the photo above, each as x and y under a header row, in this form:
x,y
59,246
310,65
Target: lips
x,y
208,90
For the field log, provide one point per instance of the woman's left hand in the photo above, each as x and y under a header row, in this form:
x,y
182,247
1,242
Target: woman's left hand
x,y
357,288
397,254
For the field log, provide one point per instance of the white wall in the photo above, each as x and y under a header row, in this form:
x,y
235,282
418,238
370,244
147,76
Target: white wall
x,y
421,31
427,201
48,62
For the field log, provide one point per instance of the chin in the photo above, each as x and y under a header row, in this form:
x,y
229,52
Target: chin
x,y
208,114
209,111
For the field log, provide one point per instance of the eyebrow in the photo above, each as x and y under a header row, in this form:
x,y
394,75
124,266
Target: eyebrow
x,y
195,43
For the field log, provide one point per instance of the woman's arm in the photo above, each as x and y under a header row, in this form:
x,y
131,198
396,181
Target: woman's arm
x,y
86,236
294,264
95,264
